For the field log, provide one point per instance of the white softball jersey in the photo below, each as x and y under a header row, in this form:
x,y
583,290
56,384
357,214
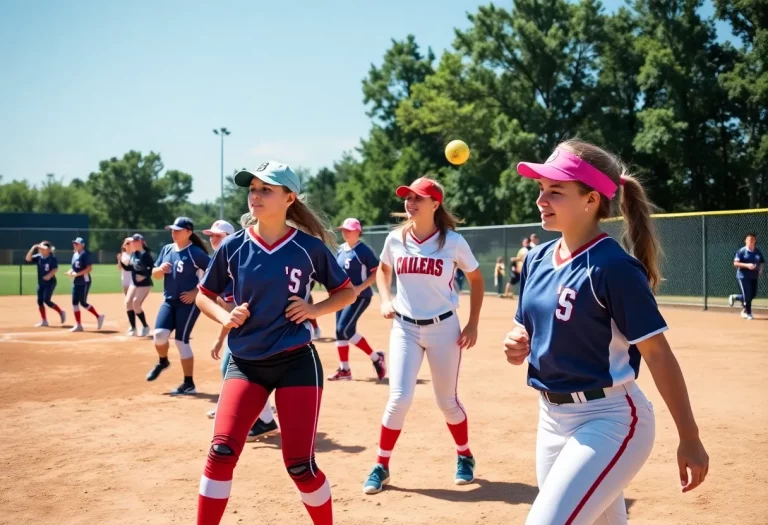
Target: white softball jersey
x,y
425,272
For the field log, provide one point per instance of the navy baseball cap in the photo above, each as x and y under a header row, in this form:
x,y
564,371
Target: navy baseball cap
x,y
181,223
137,237
271,172
79,240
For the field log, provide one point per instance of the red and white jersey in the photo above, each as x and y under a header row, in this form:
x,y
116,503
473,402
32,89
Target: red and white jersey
x,y
425,272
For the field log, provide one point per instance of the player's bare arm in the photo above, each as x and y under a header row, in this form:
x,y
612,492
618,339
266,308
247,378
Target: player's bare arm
x,y
48,276
28,256
368,282
468,336
671,385
299,310
384,284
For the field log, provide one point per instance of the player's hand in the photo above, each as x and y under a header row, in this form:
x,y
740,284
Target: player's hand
x,y
300,310
166,267
387,310
188,297
468,337
692,456
46,278
71,273
238,316
517,346
751,266
216,349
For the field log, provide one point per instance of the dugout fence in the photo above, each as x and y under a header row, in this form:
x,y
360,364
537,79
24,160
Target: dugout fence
x,y
697,267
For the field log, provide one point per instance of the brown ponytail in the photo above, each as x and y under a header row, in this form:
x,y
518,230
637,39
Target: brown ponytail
x,y
444,219
638,237
197,241
303,217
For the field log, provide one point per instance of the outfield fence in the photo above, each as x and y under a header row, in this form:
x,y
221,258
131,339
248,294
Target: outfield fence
x,y
697,267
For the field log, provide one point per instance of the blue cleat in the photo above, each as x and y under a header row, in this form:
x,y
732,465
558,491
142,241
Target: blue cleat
x,y
378,477
465,470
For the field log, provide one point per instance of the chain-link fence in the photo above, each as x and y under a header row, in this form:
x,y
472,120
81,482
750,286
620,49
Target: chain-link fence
x,y
697,267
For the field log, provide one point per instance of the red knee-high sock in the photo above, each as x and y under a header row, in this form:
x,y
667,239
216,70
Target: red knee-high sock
x,y
460,433
93,311
56,308
387,441
239,404
343,348
299,408
360,342
77,316
42,312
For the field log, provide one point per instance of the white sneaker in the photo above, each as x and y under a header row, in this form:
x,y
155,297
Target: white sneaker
x,y
211,414
731,299
76,328
144,332
749,317
100,322
41,323
743,314
63,316
131,332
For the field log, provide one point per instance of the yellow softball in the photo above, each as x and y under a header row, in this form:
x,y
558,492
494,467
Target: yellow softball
x,y
457,152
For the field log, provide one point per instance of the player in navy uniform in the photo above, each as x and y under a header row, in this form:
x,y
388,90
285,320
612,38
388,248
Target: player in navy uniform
x,y
272,266
360,263
47,266
140,264
178,263
749,262
81,284
586,317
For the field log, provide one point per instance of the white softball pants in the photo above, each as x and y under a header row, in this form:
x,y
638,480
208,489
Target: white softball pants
x,y
407,345
587,453
134,298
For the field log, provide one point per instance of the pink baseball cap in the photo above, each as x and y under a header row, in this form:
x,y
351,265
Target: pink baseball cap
x,y
219,228
566,167
351,225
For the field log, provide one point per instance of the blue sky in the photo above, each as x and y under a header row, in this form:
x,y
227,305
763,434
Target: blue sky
x,y
85,80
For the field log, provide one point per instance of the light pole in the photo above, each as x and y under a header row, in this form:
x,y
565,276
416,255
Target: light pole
x,y
222,132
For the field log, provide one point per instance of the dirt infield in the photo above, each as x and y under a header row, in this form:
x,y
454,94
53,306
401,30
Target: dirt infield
x,y
86,440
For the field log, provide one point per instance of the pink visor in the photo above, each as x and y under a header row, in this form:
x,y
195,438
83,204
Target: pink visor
x,y
565,166
351,225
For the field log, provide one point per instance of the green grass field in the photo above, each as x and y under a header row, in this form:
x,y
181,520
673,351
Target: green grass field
x,y
106,279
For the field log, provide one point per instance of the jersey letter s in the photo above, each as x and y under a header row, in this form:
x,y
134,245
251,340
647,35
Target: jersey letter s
x,y
565,304
180,267
295,274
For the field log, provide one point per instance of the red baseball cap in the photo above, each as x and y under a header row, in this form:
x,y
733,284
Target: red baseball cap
x,y
422,187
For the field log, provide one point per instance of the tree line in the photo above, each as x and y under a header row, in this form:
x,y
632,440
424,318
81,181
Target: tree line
x,y
651,82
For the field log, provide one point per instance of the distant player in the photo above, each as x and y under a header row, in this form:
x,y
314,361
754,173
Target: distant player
x,y
140,264
749,262
272,266
586,316
123,260
47,266
516,267
81,284
424,252
360,263
265,424
178,265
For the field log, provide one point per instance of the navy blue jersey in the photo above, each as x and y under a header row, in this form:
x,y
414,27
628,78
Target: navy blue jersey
x,y
265,277
140,266
45,265
228,293
358,261
184,266
747,257
585,316
81,261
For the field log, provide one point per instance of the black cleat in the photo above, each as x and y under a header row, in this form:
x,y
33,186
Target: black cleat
x,y
262,430
155,372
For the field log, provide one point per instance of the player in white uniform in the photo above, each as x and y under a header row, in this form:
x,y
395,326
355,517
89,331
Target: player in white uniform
x,y
124,257
586,318
424,252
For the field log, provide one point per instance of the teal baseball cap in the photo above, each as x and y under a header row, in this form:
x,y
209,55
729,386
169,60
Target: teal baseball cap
x,y
270,172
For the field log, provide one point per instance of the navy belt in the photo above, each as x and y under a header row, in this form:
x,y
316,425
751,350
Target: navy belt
x,y
562,399
426,322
